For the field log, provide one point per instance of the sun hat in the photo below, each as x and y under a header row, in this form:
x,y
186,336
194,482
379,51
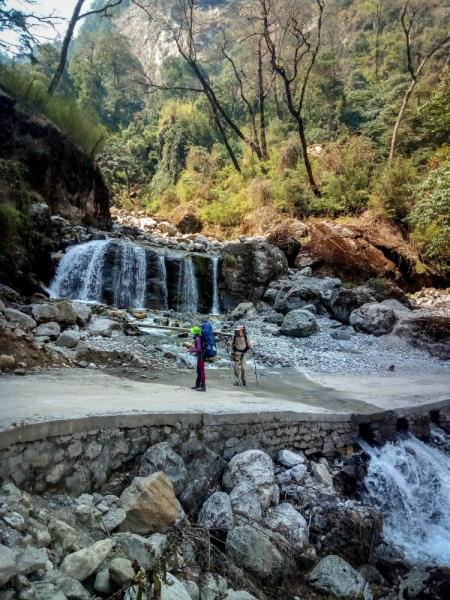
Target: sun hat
x,y
196,330
240,327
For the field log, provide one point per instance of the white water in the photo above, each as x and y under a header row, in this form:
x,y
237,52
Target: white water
x,y
79,275
163,279
187,287
129,277
409,484
215,276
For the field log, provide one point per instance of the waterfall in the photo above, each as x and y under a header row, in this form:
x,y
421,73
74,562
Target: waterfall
x,y
215,277
79,274
409,484
187,287
129,277
163,279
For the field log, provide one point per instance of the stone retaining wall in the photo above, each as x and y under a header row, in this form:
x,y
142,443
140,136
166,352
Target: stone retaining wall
x,y
85,458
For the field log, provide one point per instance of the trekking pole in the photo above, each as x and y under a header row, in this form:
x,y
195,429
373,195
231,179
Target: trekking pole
x,y
183,379
256,373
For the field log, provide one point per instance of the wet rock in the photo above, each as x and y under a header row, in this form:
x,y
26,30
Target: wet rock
x,y
246,270
150,504
425,582
321,473
50,330
80,565
251,549
373,318
216,513
290,459
299,323
334,575
20,319
44,313
68,339
8,567
161,457
121,571
255,467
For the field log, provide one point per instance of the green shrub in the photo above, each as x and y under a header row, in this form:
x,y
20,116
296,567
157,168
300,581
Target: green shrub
x,y
377,283
391,194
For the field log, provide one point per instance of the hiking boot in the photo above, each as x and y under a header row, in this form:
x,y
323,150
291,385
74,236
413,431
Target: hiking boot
x,y
244,382
201,389
236,383
195,387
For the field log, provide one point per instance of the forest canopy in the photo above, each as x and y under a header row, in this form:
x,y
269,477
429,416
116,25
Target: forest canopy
x,y
307,107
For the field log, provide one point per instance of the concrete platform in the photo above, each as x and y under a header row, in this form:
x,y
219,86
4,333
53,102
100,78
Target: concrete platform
x,y
62,401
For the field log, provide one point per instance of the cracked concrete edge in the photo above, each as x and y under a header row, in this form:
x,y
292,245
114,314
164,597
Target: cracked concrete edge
x,y
48,429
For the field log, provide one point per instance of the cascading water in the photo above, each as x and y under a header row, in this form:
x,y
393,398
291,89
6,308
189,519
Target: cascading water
x,y
163,279
215,276
187,286
409,484
129,277
79,275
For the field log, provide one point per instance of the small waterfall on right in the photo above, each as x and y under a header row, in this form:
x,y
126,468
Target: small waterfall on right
x,y
163,280
215,277
187,287
409,484
129,277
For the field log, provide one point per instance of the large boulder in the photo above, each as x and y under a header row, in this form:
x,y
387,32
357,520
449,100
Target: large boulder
x,y
430,333
333,575
251,549
20,319
244,310
216,513
150,504
8,567
51,330
245,502
173,589
120,571
83,312
80,565
186,219
425,582
254,467
30,560
345,300
68,339
204,470
103,327
66,313
285,236
290,523
161,457
373,318
299,323
247,269
43,313
135,546
321,473
304,290
7,294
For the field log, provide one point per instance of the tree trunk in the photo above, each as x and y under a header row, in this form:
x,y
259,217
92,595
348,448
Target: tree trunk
x,y
312,183
65,46
262,117
224,135
400,117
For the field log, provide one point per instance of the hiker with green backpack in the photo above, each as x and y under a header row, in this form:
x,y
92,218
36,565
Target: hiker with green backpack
x,y
204,347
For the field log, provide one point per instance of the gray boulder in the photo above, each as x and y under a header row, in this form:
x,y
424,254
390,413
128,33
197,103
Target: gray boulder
x,y
174,589
7,294
103,583
8,567
66,313
71,588
44,313
373,318
121,571
321,473
114,518
48,591
290,523
20,319
192,589
250,549
80,565
344,301
425,582
290,459
276,319
103,327
244,499
270,296
254,467
204,470
212,586
68,339
50,330
333,575
30,560
303,291
83,312
2,307
216,513
132,545
161,457
299,323
342,335
245,310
